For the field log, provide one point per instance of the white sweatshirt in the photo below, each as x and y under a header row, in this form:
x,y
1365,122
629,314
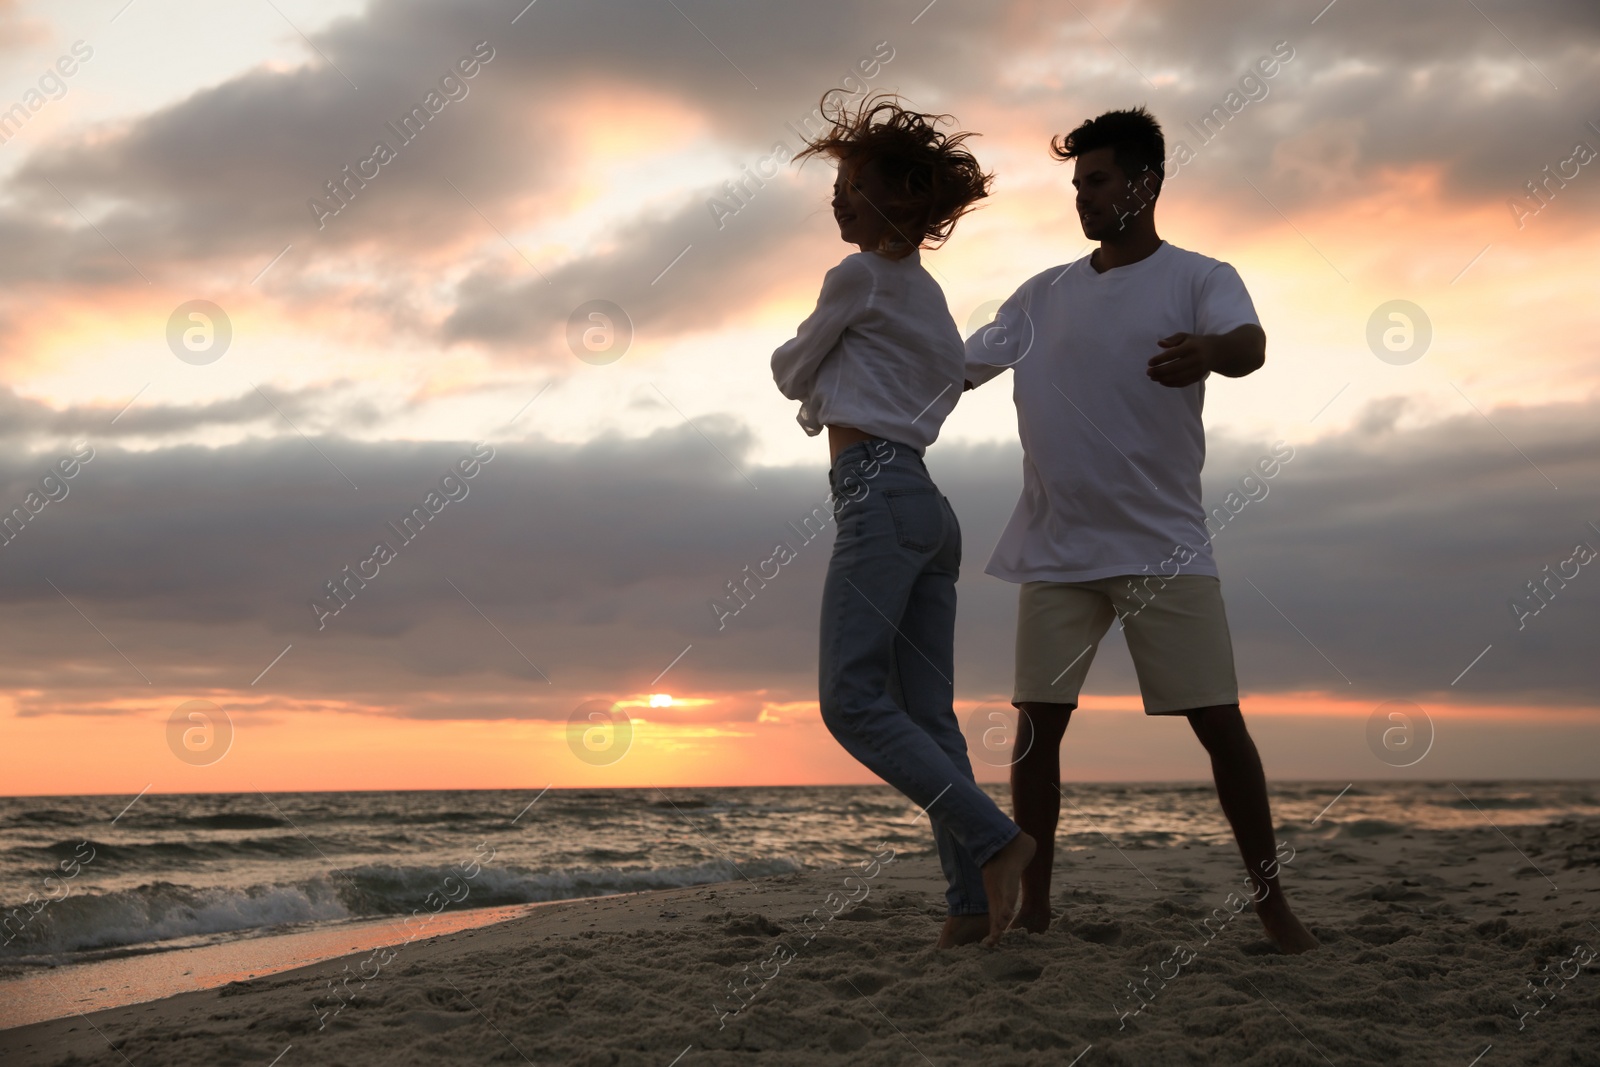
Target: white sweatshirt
x,y
880,353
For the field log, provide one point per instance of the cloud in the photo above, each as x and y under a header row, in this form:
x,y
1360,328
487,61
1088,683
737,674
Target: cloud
x,y
227,171
1381,556
1429,85
727,273
25,419
223,177
17,30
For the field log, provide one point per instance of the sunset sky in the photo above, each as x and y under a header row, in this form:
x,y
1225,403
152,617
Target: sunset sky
x,y
587,157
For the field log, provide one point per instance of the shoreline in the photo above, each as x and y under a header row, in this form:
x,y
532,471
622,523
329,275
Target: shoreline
x,y
143,974
1430,938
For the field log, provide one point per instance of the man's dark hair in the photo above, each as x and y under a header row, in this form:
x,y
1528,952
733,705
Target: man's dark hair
x,y
1134,138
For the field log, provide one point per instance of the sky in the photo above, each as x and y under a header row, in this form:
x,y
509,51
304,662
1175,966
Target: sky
x,y
1410,196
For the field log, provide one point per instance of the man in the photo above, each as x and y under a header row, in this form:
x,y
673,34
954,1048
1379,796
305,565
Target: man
x,y
1110,354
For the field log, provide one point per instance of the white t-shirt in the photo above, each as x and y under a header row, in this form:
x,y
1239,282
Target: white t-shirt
x,y
880,353
1110,459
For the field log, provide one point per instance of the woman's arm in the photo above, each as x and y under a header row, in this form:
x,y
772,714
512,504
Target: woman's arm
x,y
846,291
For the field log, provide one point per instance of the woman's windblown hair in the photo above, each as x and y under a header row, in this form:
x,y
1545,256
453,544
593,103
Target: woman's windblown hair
x,y
933,180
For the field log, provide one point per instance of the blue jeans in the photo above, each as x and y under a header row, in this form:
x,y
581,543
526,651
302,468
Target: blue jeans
x,y
887,655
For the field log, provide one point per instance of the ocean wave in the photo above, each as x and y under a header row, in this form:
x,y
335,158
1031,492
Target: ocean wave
x,y
146,820
384,890
686,803
165,855
423,818
164,911
1504,803
47,817
232,821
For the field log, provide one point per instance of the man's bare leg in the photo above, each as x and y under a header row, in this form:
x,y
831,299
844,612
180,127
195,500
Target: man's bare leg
x,y
1242,789
1036,802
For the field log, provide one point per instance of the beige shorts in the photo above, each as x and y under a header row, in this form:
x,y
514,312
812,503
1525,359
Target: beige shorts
x,y
1177,634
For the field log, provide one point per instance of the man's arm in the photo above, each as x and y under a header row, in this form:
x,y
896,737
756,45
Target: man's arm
x,y
1188,357
1001,343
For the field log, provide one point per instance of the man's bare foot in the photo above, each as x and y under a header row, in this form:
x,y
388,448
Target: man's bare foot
x,y
963,930
1033,916
1286,931
1002,883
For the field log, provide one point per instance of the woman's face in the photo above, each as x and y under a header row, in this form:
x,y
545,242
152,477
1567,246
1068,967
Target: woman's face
x,y
857,191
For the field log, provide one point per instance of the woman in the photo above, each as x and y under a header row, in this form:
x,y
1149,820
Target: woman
x,y
880,364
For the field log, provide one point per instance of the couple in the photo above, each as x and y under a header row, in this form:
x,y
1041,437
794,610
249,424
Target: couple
x,y
1110,354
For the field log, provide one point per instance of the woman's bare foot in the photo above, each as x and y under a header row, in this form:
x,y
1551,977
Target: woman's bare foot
x,y
1284,930
1002,883
963,930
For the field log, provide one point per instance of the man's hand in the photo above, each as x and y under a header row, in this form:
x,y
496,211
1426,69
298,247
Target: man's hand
x,y
1189,357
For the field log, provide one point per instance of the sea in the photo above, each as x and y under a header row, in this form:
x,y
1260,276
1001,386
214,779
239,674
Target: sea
x,y
95,877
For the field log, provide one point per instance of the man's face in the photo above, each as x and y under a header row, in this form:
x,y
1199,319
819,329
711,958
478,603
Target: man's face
x,y
1105,194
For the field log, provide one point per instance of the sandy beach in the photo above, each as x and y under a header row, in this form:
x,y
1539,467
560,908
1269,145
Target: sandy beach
x,y
1433,942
